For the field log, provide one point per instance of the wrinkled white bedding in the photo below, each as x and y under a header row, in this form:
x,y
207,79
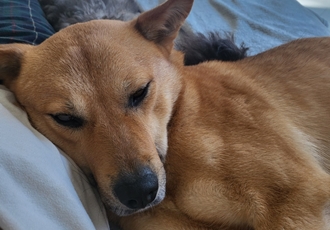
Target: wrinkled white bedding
x,y
40,188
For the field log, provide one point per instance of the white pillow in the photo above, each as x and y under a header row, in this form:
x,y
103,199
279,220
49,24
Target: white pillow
x,y
40,187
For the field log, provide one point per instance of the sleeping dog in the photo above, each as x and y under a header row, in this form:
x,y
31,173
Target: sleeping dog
x,y
218,145
197,47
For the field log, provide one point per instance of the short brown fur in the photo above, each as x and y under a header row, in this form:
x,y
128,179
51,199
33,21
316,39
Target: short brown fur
x,y
246,143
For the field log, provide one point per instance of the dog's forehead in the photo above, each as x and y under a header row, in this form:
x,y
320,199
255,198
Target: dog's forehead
x,y
88,60
99,36
98,48
99,44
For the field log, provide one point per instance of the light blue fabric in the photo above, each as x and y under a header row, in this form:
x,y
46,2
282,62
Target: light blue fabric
x,y
260,24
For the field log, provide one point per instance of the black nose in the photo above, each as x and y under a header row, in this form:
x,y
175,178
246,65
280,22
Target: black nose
x,y
137,190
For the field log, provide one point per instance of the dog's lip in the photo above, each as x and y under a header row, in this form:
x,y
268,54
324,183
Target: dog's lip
x,y
127,211
161,155
92,180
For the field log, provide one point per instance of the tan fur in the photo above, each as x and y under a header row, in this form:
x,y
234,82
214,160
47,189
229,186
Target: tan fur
x,y
247,143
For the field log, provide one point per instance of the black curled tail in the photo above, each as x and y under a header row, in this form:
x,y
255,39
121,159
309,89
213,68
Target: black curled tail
x,y
198,47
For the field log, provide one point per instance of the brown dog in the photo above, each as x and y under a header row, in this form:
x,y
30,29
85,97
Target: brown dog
x,y
247,142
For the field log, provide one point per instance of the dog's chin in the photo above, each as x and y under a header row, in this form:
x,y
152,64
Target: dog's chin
x,y
122,210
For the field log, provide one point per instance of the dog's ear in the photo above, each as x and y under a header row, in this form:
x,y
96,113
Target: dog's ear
x,y
11,56
162,24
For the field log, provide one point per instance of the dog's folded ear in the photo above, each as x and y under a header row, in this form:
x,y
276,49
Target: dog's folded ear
x,y
11,56
162,24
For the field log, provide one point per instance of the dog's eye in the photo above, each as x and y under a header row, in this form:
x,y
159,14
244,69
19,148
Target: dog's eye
x,y
137,97
68,120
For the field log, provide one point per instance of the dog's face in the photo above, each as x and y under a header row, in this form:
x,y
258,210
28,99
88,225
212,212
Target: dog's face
x,y
103,92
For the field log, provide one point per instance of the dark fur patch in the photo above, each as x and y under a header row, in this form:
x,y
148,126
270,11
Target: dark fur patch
x,y
61,14
200,48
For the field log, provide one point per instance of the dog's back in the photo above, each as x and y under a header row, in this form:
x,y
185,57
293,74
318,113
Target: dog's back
x,y
255,150
296,77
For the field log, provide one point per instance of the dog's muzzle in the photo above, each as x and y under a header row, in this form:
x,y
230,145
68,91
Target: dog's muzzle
x,y
137,190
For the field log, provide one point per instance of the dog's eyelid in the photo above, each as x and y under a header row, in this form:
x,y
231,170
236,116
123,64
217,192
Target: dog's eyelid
x,y
138,96
68,120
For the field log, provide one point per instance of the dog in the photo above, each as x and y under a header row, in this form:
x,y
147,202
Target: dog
x,y
197,47
218,145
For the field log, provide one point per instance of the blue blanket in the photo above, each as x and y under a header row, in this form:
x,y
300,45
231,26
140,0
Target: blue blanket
x,y
260,24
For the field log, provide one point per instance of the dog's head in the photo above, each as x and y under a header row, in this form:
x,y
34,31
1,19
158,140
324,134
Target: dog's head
x,y
104,91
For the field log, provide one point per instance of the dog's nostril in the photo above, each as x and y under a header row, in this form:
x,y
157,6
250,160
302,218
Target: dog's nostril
x,y
137,191
132,204
152,195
